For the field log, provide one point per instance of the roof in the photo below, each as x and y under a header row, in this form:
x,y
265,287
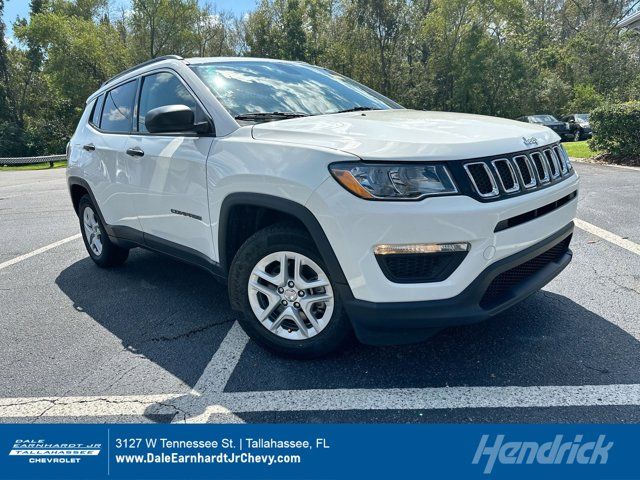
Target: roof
x,y
632,21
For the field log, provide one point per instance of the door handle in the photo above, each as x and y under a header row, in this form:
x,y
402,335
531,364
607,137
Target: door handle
x,y
135,152
89,147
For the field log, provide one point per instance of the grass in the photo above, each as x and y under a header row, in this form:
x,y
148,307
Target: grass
x,y
579,149
35,166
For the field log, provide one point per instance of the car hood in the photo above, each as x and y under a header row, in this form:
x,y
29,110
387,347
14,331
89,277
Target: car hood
x,y
408,134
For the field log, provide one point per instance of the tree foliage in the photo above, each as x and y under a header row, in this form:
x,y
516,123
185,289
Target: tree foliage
x,y
496,57
618,129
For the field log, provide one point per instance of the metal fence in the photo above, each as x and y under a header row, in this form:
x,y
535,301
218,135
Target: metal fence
x,y
31,160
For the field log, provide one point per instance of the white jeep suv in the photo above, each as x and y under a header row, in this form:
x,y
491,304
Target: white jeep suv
x,y
326,207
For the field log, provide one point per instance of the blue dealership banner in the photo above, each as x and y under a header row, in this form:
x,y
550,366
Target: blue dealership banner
x,y
319,451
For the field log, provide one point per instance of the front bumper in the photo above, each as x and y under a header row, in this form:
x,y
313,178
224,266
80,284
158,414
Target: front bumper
x,y
353,227
500,286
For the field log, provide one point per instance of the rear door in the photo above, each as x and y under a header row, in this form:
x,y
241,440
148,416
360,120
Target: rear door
x,y
169,171
112,121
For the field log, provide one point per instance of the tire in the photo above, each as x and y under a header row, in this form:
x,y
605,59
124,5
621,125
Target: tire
x,y
299,328
101,249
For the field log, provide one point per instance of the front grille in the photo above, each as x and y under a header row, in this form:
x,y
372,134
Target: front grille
x,y
564,168
499,289
541,167
523,164
518,173
418,267
554,168
506,175
482,179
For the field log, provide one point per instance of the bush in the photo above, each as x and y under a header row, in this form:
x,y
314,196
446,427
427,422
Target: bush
x,y
616,129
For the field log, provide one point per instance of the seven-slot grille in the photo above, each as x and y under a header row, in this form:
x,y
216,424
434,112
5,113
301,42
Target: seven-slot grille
x,y
518,173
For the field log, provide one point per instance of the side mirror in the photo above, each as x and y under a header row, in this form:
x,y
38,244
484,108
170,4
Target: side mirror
x,y
173,119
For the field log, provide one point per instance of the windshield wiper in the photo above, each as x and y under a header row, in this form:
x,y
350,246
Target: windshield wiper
x,y
269,115
357,109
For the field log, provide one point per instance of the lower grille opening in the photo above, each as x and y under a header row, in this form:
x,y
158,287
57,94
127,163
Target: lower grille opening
x,y
533,214
504,283
418,267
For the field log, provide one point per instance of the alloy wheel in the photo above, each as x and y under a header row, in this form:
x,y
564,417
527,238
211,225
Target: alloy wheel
x,y
290,295
92,231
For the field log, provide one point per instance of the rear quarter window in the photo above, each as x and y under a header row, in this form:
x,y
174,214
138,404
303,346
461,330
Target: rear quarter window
x,y
96,113
118,108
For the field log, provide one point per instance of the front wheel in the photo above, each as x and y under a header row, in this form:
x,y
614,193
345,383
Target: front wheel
x,y
288,300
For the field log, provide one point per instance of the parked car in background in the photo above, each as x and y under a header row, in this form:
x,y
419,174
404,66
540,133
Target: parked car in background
x,y
579,125
563,129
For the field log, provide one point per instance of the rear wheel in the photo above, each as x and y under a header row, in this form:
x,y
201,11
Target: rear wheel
x,y
284,290
102,250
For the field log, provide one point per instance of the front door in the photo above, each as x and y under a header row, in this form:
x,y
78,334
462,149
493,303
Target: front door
x,y
170,173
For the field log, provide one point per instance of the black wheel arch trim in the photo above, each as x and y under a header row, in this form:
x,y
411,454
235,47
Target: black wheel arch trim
x,y
289,207
72,181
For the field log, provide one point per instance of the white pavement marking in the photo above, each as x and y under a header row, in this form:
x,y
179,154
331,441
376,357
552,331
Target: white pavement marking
x,y
608,236
214,378
231,403
13,261
434,398
217,373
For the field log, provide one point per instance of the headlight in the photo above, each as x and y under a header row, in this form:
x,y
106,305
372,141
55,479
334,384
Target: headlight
x,y
393,181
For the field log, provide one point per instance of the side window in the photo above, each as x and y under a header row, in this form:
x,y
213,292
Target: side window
x,y
118,108
162,89
97,111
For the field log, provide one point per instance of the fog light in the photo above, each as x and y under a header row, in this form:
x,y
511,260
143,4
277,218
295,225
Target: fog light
x,y
421,248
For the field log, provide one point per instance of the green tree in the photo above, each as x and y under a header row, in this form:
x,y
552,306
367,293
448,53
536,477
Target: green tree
x,y
163,27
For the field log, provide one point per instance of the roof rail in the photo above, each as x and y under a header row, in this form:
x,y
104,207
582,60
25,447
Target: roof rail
x,y
143,64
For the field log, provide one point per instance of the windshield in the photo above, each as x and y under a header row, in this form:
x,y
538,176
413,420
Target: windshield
x,y
582,117
543,119
249,87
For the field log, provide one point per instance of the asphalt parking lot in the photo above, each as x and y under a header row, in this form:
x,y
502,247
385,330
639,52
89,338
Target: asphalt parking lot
x,y
156,341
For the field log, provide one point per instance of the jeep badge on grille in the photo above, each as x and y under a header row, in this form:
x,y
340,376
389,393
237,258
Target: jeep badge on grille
x,y
530,140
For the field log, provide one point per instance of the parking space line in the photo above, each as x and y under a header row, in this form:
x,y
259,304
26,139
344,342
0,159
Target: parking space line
x,y
40,250
608,236
226,406
214,377
434,398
